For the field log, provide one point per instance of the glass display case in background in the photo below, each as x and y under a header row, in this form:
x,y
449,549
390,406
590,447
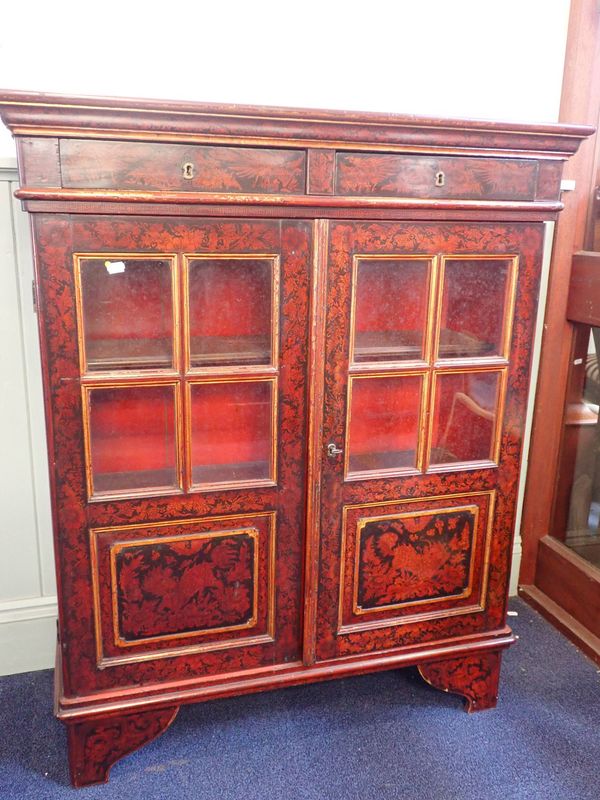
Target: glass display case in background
x,y
576,520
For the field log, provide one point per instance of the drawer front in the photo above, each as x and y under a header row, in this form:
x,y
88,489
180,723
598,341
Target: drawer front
x,y
444,177
144,166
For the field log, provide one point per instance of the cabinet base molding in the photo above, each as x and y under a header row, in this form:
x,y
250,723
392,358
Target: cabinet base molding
x,y
120,700
101,733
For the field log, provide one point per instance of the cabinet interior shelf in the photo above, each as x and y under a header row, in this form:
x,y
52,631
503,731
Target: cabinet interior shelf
x,y
408,345
216,351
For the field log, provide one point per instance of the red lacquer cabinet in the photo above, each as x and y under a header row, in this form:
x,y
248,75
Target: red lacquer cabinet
x,y
286,363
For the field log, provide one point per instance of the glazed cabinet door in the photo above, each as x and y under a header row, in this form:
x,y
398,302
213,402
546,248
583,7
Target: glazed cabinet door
x,y
427,331
176,372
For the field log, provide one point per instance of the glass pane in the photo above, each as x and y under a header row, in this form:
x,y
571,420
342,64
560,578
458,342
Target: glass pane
x,y
464,417
230,310
384,423
232,432
577,509
473,307
132,438
391,309
127,313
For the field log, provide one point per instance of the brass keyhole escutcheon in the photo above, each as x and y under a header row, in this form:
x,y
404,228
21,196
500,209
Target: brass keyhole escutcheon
x,y
440,178
188,170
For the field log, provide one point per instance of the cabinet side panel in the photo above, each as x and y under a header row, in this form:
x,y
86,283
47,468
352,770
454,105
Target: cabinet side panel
x,y
39,161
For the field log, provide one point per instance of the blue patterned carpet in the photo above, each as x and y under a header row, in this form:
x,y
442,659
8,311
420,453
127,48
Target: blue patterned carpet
x,y
378,737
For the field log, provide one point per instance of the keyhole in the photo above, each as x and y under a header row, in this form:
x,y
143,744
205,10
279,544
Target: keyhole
x,y
440,178
188,170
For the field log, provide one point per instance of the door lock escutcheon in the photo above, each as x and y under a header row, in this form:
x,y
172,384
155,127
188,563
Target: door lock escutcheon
x,y
188,170
333,450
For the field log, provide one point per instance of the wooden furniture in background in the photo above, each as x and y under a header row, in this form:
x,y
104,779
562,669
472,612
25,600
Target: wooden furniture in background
x,y
554,578
286,361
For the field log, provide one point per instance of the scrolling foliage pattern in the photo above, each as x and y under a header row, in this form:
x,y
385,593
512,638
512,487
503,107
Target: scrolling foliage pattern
x,y
176,587
96,744
409,559
475,677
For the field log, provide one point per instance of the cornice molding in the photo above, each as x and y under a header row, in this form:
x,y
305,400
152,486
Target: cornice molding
x,y
26,113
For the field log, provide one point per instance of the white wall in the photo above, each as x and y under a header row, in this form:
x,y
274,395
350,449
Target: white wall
x,y
466,58
27,587
472,58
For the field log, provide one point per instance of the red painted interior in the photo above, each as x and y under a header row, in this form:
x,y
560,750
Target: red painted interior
x,y
134,304
132,429
474,298
465,405
384,414
231,422
230,297
391,295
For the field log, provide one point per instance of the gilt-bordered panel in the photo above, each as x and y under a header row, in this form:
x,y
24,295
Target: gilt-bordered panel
x,y
195,586
414,559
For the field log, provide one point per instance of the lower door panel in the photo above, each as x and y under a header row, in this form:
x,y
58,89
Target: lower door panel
x,y
414,560
171,589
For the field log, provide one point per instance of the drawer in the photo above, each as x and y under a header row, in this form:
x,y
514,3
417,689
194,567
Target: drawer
x,y
445,177
145,166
